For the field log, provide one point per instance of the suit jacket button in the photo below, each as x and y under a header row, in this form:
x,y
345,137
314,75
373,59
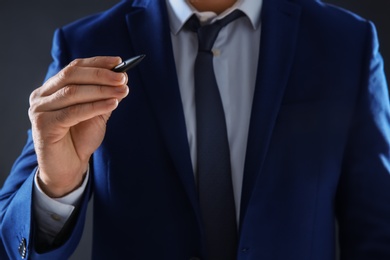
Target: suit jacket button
x,y
22,248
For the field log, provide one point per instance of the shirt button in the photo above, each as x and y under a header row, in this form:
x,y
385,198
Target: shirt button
x,y
55,217
216,52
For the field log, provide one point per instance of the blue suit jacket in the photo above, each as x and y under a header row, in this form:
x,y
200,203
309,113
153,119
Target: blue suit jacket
x,y
318,148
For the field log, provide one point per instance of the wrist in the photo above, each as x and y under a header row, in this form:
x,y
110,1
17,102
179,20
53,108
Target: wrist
x,y
58,190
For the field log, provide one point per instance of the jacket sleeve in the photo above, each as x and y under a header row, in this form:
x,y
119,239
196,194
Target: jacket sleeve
x,y
17,236
363,199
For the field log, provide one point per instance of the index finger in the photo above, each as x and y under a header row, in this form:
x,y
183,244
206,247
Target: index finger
x,y
105,62
89,71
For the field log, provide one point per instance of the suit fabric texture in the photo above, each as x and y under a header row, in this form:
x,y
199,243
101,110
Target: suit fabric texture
x,y
317,153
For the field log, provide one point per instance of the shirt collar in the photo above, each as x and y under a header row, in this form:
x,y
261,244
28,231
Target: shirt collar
x,y
179,11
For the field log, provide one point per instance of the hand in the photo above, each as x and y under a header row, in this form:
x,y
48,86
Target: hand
x,y
69,115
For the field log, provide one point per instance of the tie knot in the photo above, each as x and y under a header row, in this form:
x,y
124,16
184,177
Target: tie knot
x,y
207,34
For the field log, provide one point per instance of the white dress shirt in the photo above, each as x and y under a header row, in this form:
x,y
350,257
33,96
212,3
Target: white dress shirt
x,y
236,52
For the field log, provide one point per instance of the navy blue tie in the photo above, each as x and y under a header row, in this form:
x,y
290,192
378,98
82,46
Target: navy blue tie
x,y
214,179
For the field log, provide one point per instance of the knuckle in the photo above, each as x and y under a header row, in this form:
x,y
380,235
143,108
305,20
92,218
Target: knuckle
x,y
72,110
66,72
62,115
95,59
38,120
68,91
31,114
98,73
101,90
33,97
75,62
32,109
34,101
68,114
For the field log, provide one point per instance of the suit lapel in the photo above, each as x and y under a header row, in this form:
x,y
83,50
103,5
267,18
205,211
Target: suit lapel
x,y
279,32
150,34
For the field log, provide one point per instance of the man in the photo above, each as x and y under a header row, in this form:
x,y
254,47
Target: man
x,y
307,117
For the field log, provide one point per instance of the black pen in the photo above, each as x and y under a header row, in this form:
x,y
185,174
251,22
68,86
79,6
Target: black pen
x,y
128,64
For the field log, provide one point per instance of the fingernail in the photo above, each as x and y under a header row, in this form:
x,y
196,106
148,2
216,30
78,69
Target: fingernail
x,y
120,77
121,89
112,102
114,60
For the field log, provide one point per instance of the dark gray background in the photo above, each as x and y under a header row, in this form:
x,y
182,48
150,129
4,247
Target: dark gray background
x,y
26,29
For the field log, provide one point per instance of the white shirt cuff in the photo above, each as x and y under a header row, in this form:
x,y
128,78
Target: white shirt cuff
x,y
52,213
